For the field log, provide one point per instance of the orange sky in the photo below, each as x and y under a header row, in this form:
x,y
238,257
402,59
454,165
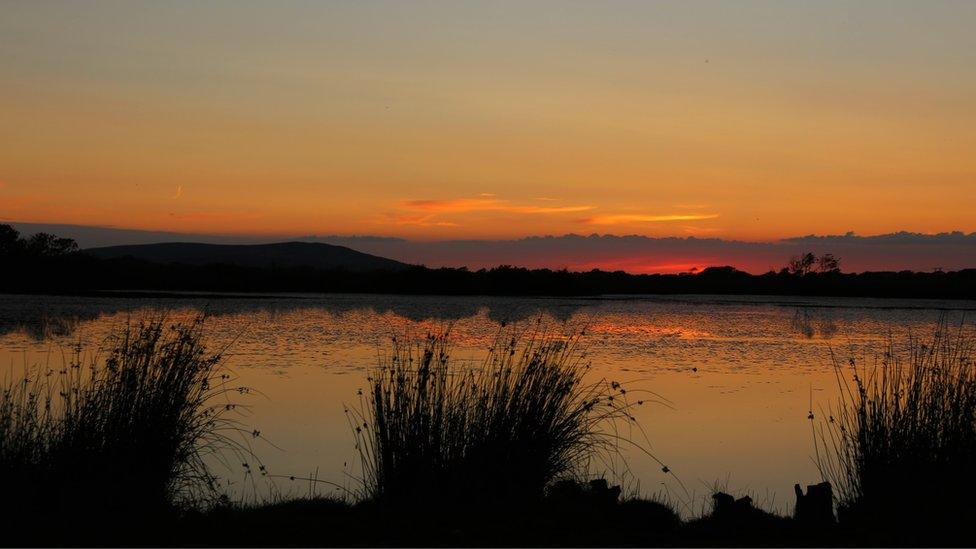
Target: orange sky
x,y
430,120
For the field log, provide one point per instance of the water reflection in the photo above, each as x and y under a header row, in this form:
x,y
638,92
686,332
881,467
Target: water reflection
x,y
738,370
814,322
42,317
40,320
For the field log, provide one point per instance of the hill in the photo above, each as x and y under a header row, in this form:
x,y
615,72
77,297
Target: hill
x,y
280,255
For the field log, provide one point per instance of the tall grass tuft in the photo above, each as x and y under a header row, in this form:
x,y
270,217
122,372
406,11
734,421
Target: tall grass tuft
x,y
902,444
434,432
128,434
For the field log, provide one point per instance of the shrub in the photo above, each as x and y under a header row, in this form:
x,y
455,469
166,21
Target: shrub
x,y
902,445
432,432
129,434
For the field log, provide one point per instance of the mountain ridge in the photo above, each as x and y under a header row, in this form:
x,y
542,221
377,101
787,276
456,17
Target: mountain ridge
x,y
278,254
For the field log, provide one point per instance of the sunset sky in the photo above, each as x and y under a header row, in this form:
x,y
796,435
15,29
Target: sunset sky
x,y
738,120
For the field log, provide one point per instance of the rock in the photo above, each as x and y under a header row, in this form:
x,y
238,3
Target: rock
x,y
594,494
565,490
722,503
816,507
602,493
726,505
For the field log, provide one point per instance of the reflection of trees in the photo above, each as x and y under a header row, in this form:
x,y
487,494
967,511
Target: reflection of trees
x,y
810,322
40,322
517,312
41,316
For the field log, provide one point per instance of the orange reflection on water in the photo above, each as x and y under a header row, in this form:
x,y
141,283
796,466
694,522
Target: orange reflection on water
x,y
648,328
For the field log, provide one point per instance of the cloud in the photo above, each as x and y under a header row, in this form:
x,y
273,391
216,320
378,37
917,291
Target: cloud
x,y
203,215
420,220
619,219
453,205
901,237
548,209
895,251
460,205
485,204
693,230
14,204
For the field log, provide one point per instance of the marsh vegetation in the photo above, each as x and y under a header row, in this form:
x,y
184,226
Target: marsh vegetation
x,y
129,434
431,429
900,445
522,447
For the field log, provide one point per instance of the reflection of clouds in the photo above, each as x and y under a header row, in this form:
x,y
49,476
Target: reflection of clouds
x,y
810,322
624,327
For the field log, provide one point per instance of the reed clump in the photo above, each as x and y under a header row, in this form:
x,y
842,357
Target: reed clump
x,y
129,434
434,433
901,447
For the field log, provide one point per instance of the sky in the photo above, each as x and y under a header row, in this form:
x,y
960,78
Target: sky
x,y
431,121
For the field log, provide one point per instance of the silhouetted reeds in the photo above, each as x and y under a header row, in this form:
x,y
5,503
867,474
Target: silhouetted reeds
x,y
901,448
434,432
128,434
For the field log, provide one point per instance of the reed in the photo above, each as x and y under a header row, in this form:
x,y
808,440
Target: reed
x,y
133,433
902,443
433,432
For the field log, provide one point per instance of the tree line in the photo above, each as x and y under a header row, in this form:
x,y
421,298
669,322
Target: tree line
x,y
48,264
13,245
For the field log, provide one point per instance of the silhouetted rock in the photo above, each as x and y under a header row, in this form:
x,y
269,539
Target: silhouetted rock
x,y
725,506
602,493
597,494
816,507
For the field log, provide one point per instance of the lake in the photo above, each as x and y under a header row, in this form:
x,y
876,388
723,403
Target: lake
x,y
740,373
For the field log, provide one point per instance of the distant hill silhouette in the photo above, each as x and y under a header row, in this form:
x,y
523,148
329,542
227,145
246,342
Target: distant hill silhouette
x,y
282,255
45,263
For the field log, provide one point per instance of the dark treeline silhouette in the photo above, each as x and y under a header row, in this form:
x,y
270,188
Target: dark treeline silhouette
x,y
39,245
47,264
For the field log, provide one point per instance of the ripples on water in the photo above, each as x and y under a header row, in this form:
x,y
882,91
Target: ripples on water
x,y
741,372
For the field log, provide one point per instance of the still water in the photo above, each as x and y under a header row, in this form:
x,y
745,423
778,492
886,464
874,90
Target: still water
x,y
741,374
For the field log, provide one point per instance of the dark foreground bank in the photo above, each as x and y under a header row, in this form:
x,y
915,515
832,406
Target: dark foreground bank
x,y
580,517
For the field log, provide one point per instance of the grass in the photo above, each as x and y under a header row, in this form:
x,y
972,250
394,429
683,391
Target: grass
x,y
901,447
434,432
130,434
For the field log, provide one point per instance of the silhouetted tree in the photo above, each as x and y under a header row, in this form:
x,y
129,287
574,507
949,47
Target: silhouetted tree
x,y
10,242
49,245
801,264
37,245
723,271
808,263
827,263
